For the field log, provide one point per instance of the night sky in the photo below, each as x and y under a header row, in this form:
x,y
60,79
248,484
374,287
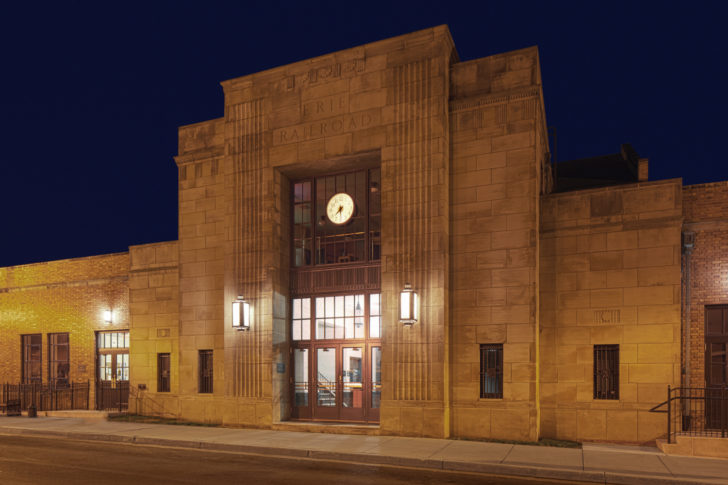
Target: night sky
x,y
92,93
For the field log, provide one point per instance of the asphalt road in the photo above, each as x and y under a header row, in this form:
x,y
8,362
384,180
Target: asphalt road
x,y
35,460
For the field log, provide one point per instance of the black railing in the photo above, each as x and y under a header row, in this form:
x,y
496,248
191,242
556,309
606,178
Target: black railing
x,y
112,396
48,397
695,411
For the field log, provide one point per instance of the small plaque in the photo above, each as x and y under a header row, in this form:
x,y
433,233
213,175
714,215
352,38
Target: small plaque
x,y
280,368
82,367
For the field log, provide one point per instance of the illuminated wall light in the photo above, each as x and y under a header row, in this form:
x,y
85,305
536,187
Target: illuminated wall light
x,y
241,314
108,316
409,306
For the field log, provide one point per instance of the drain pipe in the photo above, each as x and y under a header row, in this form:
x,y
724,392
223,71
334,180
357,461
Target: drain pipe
x,y
688,240
688,243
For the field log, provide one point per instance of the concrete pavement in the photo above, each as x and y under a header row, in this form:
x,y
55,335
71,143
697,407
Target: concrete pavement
x,y
593,463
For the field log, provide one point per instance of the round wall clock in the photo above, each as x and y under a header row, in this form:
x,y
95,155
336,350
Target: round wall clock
x,y
340,208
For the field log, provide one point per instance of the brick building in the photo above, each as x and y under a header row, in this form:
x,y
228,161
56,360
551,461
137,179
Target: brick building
x,y
548,302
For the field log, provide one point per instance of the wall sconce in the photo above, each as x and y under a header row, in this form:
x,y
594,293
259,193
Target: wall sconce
x,y
108,316
409,305
241,314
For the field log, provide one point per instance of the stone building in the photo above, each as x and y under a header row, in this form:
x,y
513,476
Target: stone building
x,y
548,302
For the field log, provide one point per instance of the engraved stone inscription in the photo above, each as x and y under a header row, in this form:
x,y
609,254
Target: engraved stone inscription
x,y
607,316
325,107
328,127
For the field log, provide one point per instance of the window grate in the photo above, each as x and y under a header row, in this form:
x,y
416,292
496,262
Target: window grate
x,y
205,371
163,372
491,371
606,372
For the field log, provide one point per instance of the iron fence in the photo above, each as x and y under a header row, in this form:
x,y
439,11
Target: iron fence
x,y
47,397
112,396
695,411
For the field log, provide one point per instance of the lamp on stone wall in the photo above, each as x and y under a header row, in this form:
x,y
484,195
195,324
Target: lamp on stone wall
x,y
409,305
108,316
241,314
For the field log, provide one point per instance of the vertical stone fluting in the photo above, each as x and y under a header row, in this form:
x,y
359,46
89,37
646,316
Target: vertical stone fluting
x,y
248,236
412,174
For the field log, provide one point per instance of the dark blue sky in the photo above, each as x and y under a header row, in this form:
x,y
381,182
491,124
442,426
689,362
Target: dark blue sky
x,y
93,92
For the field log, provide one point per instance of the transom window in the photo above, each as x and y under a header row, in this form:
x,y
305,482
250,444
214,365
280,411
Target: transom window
x,y
336,317
113,340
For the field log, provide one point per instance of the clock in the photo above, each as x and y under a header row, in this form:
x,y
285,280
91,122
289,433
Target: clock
x,y
340,208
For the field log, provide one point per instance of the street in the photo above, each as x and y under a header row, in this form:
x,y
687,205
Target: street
x,y
34,460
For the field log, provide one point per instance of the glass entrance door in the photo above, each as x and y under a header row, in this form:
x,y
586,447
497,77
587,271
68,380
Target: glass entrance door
x,y
336,358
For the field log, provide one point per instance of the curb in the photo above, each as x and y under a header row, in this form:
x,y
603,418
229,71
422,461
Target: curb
x,y
523,470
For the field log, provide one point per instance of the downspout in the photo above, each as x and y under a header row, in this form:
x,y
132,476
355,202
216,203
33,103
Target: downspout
x,y
688,245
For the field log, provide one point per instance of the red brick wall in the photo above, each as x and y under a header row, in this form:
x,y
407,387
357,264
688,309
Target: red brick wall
x,y
705,208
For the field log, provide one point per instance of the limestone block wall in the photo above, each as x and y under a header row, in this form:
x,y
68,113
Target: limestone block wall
x,y
383,103
705,208
201,266
154,326
69,295
498,147
610,274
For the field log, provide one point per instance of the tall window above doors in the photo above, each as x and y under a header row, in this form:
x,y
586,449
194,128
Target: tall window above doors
x,y
337,218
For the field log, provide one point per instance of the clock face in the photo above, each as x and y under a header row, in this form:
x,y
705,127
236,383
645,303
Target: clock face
x,y
340,208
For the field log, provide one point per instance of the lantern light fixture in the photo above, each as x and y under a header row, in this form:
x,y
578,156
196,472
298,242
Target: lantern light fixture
x,y
409,305
108,316
241,314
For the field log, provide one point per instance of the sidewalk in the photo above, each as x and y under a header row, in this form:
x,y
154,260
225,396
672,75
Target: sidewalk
x,y
592,463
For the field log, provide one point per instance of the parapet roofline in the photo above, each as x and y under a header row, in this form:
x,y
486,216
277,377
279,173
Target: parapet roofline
x,y
412,39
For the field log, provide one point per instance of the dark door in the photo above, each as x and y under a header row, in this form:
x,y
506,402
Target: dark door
x,y
716,366
112,374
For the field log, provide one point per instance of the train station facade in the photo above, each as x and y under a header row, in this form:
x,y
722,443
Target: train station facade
x,y
377,237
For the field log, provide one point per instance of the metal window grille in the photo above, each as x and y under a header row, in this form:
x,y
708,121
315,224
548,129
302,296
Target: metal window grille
x,y
491,371
59,364
606,372
205,371
32,358
163,372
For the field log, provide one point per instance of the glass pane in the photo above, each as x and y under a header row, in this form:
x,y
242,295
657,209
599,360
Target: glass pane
x,y
126,340
300,369
359,328
296,330
339,306
326,377
296,308
359,305
349,328
339,334
352,377
320,329
374,327
349,305
114,340
306,308
107,340
306,329
374,308
376,376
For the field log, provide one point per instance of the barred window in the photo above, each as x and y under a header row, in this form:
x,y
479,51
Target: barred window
x,y
606,372
205,371
491,371
32,358
58,359
163,372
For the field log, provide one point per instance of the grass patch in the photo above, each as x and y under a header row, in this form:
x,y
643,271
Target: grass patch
x,y
138,418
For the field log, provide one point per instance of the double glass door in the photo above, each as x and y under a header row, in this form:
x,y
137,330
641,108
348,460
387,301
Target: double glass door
x,y
337,382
